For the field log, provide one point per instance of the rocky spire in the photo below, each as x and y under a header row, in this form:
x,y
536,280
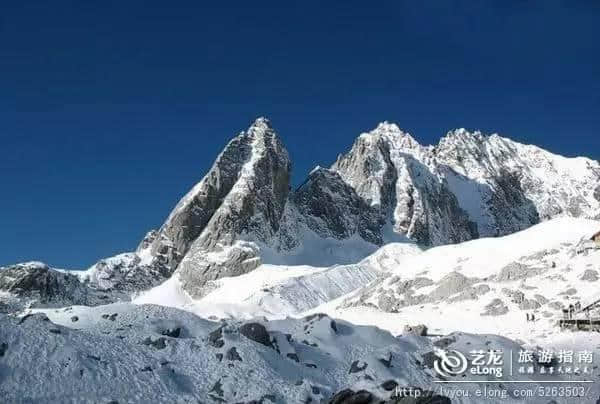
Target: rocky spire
x,y
244,192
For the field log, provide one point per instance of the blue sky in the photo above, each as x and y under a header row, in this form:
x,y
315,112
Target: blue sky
x,y
111,111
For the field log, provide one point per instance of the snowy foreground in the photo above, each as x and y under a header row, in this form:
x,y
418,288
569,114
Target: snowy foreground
x,y
297,334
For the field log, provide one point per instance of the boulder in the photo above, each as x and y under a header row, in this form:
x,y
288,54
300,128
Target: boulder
x,y
589,275
348,396
419,330
495,308
257,333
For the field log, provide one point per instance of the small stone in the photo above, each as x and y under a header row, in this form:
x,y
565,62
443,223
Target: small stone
x,y
215,338
173,333
389,385
419,330
159,343
356,367
232,355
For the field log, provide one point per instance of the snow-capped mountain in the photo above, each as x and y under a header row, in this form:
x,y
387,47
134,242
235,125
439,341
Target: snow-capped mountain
x,y
244,192
467,186
254,292
387,188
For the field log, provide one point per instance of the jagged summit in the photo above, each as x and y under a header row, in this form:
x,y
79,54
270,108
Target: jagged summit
x,y
244,192
461,135
242,244
388,127
488,185
389,133
386,188
261,122
389,186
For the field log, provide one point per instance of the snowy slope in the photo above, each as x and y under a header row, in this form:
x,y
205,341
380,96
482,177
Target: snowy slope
x,y
539,270
136,354
278,291
485,285
151,353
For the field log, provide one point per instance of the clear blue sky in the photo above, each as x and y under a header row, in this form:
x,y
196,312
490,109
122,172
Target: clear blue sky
x,y
111,110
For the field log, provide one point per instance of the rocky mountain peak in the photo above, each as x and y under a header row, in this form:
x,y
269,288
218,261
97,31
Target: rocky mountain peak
x,y
461,135
388,135
244,191
490,185
260,124
388,127
398,177
332,208
386,188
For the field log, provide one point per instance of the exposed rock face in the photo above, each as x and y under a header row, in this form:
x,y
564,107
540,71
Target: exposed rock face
x,y
395,175
332,208
243,196
123,274
523,184
590,275
149,238
515,271
529,304
37,285
387,188
203,266
420,330
348,396
469,185
243,193
256,332
495,308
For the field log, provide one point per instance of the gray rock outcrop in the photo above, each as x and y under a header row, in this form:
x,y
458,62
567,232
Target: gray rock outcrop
x,y
332,208
244,192
35,284
495,308
386,186
589,275
419,330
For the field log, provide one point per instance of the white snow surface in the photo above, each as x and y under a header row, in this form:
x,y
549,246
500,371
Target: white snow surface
x,y
278,291
127,352
130,353
551,251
